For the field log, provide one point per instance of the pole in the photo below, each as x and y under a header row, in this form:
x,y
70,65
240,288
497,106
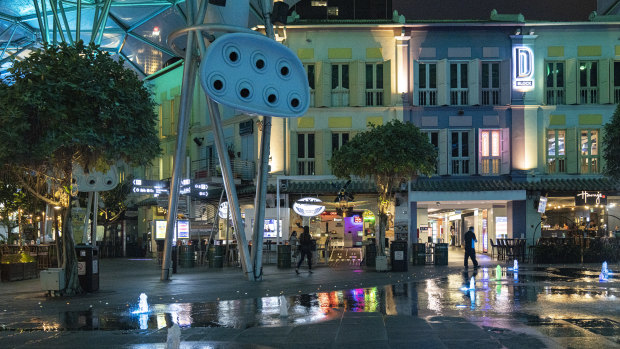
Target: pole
x,y
229,185
93,232
187,91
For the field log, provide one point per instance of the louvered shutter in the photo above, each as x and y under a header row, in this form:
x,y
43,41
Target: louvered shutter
x,y
473,82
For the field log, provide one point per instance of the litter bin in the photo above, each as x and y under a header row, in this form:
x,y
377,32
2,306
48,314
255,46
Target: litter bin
x,y
371,255
441,254
398,255
216,256
419,253
187,256
88,267
284,256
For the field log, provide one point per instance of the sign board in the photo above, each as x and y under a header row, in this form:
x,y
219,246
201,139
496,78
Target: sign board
x,y
542,204
523,69
399,255
160,230
157,188
501,226
308,207
590,198
183,229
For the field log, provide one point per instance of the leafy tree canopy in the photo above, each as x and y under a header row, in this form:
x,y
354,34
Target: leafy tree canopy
x,y
611,146
75,104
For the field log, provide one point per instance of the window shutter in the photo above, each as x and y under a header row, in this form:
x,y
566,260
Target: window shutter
x,y
473,81
479,157
443,152
328,151
319,152
175,115
442,82
323,84
505,82
571,81
603,81
387,83
293,153
601,158
165,117
416,83
612,87
472,151
357,85
505,143
571,151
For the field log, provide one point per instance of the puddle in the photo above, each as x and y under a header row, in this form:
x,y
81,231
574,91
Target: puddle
x,y
535,297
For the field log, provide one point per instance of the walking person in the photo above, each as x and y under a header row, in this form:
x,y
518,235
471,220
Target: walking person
x,y
305,249
470,251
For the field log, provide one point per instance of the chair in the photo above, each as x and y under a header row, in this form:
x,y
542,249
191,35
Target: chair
x,y
501,249
494,249
43,260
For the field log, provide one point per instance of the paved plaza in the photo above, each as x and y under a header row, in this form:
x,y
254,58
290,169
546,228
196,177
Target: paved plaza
x,y
346,306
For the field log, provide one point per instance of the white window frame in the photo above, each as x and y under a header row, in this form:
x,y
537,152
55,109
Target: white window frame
x,y
340,93
340,142
427,94
590,155
556,150
588,92
460,161
374,93
430,134
490,94
555,95
459,94
311,80
490,151
306,164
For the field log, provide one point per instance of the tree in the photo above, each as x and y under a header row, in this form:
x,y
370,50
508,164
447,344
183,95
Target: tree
x,y
390,154
611,146
66,105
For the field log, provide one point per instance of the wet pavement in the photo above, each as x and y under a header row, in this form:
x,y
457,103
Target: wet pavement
x,y
537,306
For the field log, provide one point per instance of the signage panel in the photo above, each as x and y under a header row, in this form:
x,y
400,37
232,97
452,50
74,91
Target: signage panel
x,y
523,68
308,207
590,198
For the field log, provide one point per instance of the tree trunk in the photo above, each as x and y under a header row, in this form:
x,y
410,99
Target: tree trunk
x,y
69,260
381,234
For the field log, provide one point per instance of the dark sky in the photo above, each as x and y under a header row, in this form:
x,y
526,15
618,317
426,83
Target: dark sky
x,y
549,10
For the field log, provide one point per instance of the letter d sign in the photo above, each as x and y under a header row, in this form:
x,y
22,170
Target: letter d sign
x,y
523,68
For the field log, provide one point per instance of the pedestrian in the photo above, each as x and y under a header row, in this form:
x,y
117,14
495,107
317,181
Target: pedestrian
x,y
452,236
292,241
470,250
305,249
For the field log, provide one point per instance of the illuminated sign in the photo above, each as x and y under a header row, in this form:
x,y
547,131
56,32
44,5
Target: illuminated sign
x,y
523,69
542,204
156,188
308,207
357,219
183,229
223,210
160,230
368,216
586,198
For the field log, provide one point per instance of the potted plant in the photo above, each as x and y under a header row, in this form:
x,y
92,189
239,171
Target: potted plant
x,y
19,266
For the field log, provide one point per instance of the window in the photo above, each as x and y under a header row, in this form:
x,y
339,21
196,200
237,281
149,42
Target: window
x,y
340,85
458,84
588,146
339,139
556,151
433,138
616,82
305,154
427,83
490,151
490,84
374,84
588,81
459,155
310,74
555,83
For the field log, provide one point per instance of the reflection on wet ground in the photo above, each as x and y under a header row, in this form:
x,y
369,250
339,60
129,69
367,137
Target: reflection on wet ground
x,y
536,297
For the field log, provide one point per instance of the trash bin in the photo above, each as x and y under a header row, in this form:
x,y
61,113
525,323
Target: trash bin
x,y
216,256
419,253
441,254
88,267
187,256
398,255
284,256
371,255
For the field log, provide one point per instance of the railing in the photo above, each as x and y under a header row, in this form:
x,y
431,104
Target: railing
x,y
340,97
589,165
374,97
556,165
617,94
305,166
458,96
206,168
460,166
490,96
555,96
589,95
428,97
490,166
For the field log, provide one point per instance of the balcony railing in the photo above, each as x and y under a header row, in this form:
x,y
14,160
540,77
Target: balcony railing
x,y
374,97
555,96
305,167
490,166
340,97
460,166
428,97
589,95
207,168
556,165
458,96
490,96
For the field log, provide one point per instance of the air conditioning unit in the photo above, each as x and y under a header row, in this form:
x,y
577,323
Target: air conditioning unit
x,y
52,279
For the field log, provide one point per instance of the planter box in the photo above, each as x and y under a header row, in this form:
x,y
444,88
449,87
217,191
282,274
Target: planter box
x,y
19,271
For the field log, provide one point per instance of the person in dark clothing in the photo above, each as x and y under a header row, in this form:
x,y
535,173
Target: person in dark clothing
x,y
305,248
470,251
